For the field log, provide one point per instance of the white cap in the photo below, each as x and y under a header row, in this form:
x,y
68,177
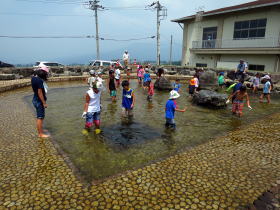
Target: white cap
x,y
266,77
92,72
174,94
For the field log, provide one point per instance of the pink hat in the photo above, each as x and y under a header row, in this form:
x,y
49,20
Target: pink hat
x,y
44,68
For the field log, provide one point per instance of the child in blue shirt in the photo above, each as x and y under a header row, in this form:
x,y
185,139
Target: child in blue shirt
x,y
177,86
266,89
170,108
147,79
128,99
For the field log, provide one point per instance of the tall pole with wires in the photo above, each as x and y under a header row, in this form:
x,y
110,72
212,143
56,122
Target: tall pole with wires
x,y
170,52
93,5
158,7
161,15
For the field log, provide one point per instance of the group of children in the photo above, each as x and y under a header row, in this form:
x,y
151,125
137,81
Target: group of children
x,y
92,106
239,92
93,96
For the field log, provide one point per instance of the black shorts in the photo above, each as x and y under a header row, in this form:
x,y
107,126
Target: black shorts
x,y
191,89
146,84
266,94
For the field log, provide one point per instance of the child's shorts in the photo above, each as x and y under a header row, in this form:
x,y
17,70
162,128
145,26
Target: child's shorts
x,y
191,89
113,93
118,81
140,78
92,117
170,123
146,84
237,106
128,112
40,109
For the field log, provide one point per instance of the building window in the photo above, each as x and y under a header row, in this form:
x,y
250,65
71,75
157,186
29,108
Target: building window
x,y
249,29
201,65
254,67
209,37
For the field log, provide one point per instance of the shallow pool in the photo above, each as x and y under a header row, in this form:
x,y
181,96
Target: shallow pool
x,y
125,145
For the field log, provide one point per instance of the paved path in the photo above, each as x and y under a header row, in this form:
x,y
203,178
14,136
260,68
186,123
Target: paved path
x,y
226,173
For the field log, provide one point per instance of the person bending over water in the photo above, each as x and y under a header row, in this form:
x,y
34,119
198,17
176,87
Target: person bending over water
x,y
40,89
238,101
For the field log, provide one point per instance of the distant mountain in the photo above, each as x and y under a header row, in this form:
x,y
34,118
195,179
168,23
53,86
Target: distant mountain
x,y
140,51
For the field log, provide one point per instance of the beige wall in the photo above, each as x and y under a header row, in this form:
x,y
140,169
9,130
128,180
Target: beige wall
x,y
267,60
193,32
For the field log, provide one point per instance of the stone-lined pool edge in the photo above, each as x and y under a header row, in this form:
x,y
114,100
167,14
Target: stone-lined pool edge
x,y
91,197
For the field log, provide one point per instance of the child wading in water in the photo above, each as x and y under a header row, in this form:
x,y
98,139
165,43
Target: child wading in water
x,y
147,79
238,101
193,85
221,80
176,85
256,83
266,89
140,74
92,108
150,91
170,108
112,85
128,99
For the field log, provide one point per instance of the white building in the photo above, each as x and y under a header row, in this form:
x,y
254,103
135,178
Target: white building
x,y
220,38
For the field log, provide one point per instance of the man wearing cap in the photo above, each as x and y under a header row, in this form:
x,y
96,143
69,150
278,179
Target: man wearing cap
x,y
126,58
40,90
241,70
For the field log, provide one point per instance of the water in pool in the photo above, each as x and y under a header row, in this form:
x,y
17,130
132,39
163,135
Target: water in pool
x,y
125,145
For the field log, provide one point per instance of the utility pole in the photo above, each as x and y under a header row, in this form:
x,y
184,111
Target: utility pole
x,y
170,55
161,15
93,5
158,7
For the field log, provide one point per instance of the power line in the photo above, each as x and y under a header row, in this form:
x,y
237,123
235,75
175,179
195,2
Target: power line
x,y
51,2
46,37
39,14
125,40
74,37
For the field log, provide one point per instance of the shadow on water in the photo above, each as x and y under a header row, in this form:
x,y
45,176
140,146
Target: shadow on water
x,y
124,145
128,133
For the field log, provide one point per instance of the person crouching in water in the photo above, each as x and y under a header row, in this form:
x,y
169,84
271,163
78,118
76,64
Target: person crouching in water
x,y
128,100
238,101
150,91
40,90
170,108
92,108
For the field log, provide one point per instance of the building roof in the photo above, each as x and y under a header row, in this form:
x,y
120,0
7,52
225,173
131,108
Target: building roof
x,y
236,8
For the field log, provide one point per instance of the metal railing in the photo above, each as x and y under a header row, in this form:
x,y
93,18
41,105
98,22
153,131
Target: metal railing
x,y
237,43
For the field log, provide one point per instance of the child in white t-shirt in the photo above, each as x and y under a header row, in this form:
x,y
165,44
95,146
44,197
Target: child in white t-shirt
x,y
92,109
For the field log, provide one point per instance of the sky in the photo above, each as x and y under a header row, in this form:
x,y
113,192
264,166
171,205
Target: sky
x,y
123,19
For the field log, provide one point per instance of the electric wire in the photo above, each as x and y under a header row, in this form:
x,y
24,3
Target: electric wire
x,y
74,37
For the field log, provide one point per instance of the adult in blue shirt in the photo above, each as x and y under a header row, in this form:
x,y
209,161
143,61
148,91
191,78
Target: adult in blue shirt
x,y
241,69
39,86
